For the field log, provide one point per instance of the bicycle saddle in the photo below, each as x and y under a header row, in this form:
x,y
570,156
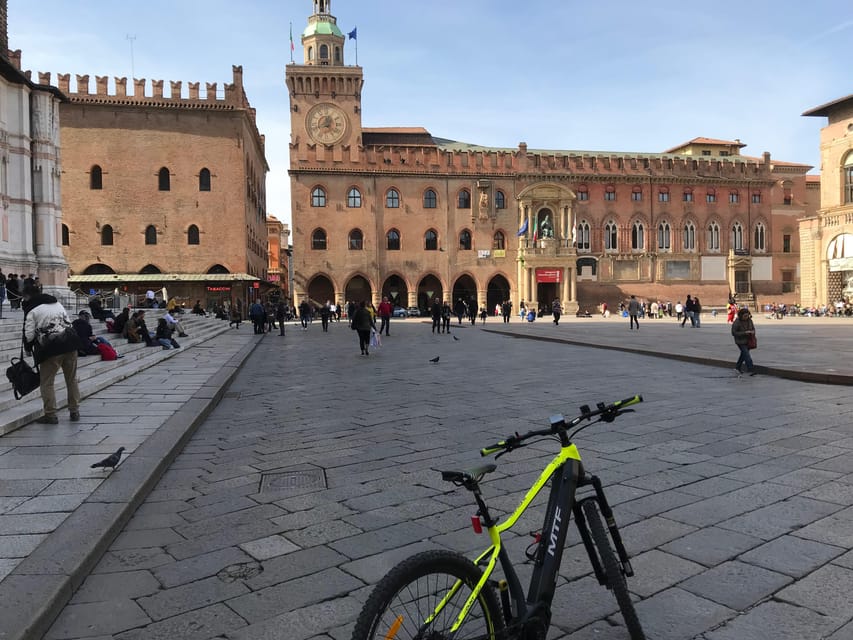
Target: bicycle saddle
x,y
467,476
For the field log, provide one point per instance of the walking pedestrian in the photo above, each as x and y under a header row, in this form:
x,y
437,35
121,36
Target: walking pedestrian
x,y
506,310
53,342
280,316
385,311
743,331
445,317
697,312
325,315
688,312
258,316
435,313
363,324
557,311
304,312
633,313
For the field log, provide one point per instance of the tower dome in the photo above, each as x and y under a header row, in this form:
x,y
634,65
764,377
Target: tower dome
x,y
322,39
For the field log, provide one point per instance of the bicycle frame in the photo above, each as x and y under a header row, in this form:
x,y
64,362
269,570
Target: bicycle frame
x,y
566,466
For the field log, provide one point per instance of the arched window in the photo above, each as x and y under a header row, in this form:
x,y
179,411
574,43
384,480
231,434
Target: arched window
x,y
500,200
65,238
96,178
463,200
734,196
610,193
689,237
582,235
430,201
499,240
431,240
192,235
164,180
318,197
465,240
318,240
324,52
310,53
638,236
610,237
107,235
356,240
392,240
711,195
848,179
737,236
636,194
150,234
713,237
337,54
663,194
664,237
392,199
759,242
583,193
204,180
688,194
354,198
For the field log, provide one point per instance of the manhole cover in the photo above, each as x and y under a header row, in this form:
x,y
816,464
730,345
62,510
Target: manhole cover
x,y
313,478
242,571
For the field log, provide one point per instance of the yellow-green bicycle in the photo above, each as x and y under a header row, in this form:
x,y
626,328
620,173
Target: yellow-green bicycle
x,y
442,595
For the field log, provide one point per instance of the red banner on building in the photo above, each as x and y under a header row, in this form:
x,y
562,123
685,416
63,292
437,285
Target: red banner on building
x,y
549,275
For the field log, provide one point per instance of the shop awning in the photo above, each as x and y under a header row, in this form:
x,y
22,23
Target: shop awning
x,y
161,277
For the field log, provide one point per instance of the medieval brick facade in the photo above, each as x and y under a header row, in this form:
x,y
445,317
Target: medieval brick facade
x,y
401,213
163,189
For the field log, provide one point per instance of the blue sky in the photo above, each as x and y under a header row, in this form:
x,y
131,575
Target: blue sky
x,y
612,75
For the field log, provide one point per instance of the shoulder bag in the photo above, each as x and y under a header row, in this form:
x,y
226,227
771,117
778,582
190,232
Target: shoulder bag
x,y
23,377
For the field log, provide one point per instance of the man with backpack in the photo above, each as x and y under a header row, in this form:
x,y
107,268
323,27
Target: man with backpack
x,y
50,338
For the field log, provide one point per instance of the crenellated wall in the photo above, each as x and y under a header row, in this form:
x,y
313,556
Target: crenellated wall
x,y
153,92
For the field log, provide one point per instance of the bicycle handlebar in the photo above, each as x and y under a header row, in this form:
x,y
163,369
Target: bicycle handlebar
x,y
606,412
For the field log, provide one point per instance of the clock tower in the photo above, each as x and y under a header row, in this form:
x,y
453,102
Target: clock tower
x,y
325,94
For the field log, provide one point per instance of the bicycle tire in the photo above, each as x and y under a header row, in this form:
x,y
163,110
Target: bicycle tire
x,y
612,569
403,599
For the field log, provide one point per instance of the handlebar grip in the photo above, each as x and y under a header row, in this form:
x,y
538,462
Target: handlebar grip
x,y
627,402
493,448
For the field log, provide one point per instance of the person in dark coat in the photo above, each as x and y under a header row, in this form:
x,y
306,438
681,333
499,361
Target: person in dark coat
x,y
363,324
281,316
435,312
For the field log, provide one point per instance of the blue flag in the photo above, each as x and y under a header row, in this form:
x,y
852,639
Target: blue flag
x,y
353,34
523,229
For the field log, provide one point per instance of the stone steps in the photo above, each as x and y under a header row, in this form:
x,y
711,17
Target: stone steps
x,y
94,374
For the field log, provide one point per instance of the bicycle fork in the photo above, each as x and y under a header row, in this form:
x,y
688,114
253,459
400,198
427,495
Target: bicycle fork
x,y
609,520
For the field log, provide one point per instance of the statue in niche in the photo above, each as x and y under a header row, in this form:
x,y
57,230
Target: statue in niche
x,y
547,229
484,205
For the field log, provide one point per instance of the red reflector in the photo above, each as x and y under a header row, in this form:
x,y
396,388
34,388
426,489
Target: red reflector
x,y
475,522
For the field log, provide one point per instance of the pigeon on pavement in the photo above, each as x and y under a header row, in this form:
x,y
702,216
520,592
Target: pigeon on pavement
x,y
110,461
455,338
435,359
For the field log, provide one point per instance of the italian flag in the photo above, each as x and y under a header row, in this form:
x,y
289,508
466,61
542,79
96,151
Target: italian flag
x,y
535,229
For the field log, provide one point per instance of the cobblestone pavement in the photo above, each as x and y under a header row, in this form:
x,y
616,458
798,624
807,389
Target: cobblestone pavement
x,y
733,494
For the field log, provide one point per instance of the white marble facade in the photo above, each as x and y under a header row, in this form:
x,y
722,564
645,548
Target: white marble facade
x,y
30,198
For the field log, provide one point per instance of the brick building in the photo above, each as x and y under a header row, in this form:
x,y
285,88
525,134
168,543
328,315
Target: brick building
x,y
827,235
278,269
163,190
402,213
30,208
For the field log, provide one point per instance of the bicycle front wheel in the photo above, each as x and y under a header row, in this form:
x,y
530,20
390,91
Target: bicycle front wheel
x,y
612,569
421,598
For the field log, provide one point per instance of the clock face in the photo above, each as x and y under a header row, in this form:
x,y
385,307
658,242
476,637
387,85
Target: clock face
x,y
326,123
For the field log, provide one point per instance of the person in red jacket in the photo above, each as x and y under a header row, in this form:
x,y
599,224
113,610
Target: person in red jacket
x,y
385,310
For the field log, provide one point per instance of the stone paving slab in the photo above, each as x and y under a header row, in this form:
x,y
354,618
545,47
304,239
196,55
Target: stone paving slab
x,y
82,510
685,475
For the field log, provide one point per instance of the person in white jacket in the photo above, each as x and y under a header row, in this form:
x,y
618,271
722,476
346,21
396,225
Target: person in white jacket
x,y
49,336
